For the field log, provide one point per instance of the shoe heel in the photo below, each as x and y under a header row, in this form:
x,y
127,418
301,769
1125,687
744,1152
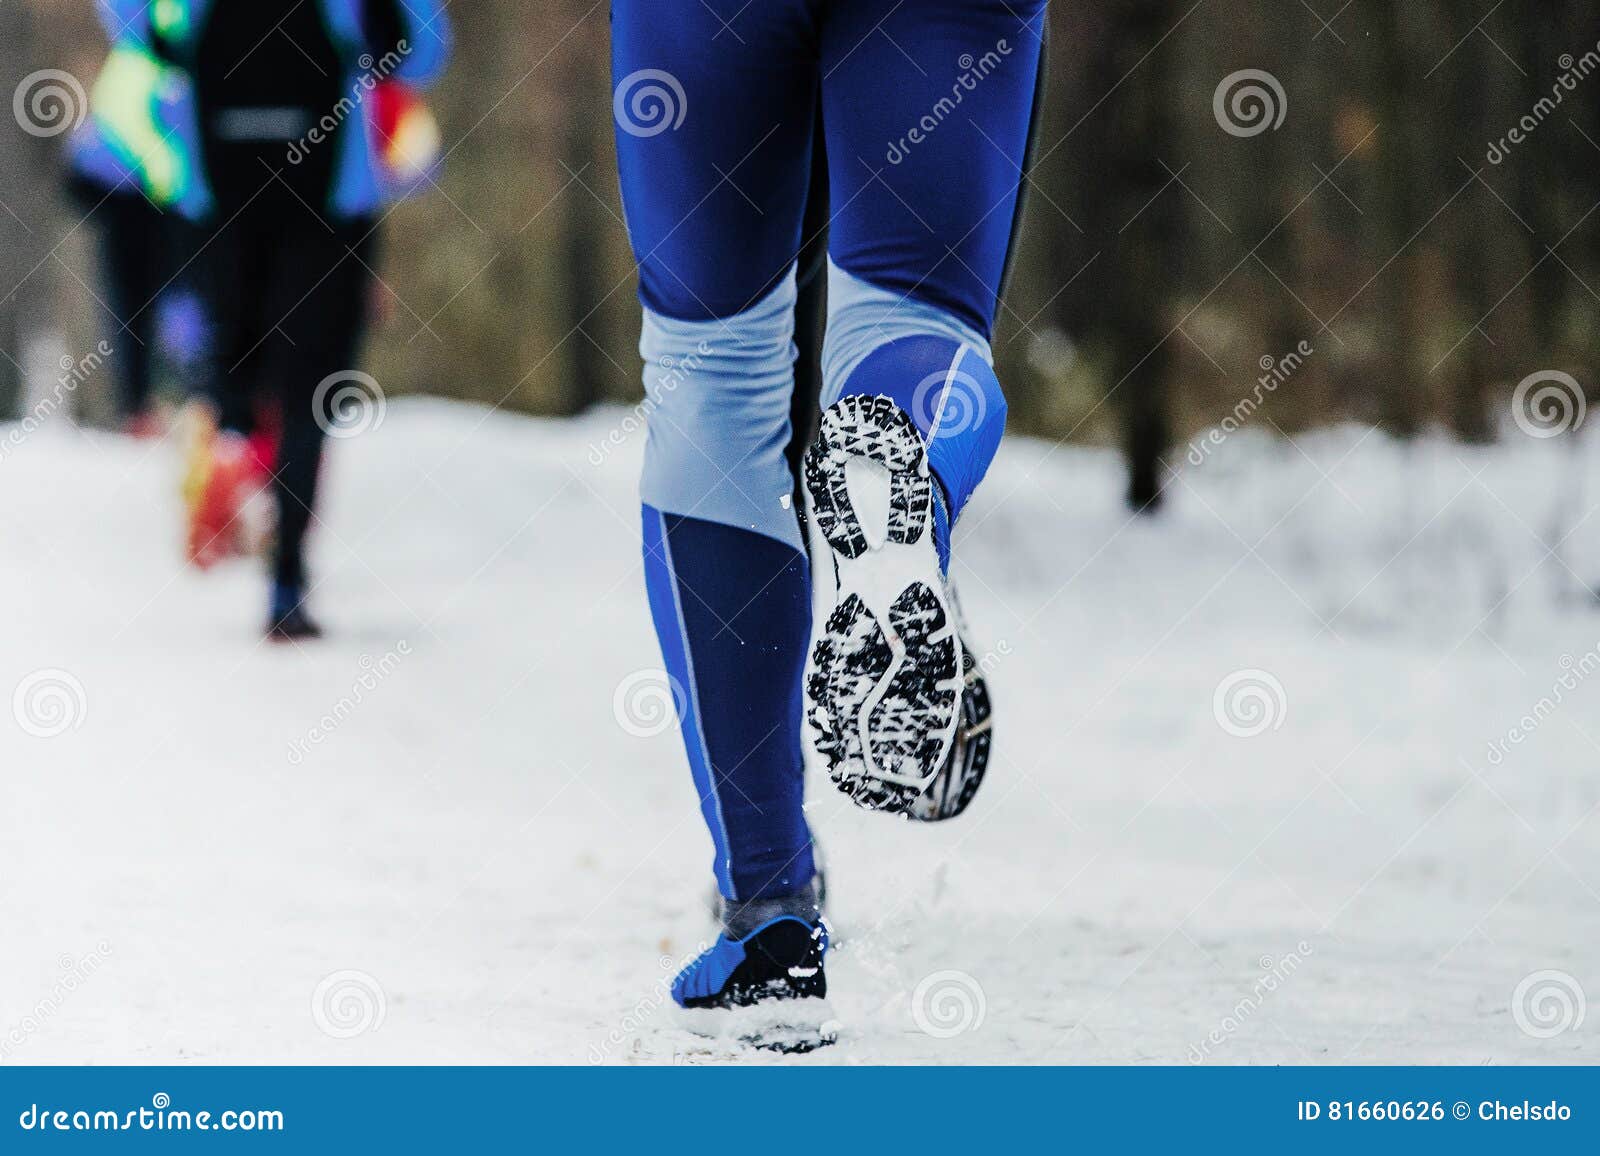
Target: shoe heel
x,y
884,681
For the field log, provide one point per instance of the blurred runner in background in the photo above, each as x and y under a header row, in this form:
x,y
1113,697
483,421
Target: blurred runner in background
x,y
263,127
142,257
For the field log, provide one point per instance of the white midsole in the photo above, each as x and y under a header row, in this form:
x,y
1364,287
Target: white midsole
x,y
878,577
770,1022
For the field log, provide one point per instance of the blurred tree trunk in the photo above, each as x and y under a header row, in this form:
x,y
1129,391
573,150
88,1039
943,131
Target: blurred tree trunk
x,y
582,272
1539,191
1140,223
1401,172
516,282
1471,368
1265,207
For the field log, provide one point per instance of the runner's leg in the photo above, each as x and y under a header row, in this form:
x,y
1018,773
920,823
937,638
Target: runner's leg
x,y
130,230
319,302
927,110
714,104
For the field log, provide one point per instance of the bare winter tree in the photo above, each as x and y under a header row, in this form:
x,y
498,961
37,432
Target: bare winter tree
x,y
513,283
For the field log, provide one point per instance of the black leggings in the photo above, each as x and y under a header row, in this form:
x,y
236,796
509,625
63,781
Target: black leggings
x,y
135,265
286,296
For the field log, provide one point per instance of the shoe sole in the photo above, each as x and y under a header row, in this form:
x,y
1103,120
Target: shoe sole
x,y
883,683
790,1028
952,790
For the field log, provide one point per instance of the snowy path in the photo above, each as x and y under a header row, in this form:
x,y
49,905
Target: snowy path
x,y
481,840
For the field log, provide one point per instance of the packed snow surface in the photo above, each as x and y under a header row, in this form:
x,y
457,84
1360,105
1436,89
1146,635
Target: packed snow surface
x,y
1304,769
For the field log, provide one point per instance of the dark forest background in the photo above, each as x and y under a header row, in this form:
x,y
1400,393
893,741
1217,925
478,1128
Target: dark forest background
x,y
1163,259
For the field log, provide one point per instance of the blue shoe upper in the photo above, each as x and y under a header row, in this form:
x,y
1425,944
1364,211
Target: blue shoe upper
x,y
953,398
286,596
710,972
941,527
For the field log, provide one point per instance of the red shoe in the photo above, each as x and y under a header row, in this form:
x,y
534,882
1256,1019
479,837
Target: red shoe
x,y
230,470
263,453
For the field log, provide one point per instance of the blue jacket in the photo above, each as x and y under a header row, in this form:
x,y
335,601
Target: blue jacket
x,y
89,152
167,104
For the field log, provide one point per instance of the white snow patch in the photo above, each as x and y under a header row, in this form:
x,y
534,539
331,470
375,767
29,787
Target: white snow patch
x,y
495,870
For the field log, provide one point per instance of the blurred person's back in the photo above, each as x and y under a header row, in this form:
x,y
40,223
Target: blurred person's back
x,y
261,79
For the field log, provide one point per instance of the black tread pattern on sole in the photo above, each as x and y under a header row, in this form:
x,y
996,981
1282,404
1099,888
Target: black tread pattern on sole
x,y
908,724
849,660
907,727
875,428
952,790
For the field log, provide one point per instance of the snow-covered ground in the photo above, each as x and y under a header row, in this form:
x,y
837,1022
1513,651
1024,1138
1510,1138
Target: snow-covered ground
x,y
429,838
